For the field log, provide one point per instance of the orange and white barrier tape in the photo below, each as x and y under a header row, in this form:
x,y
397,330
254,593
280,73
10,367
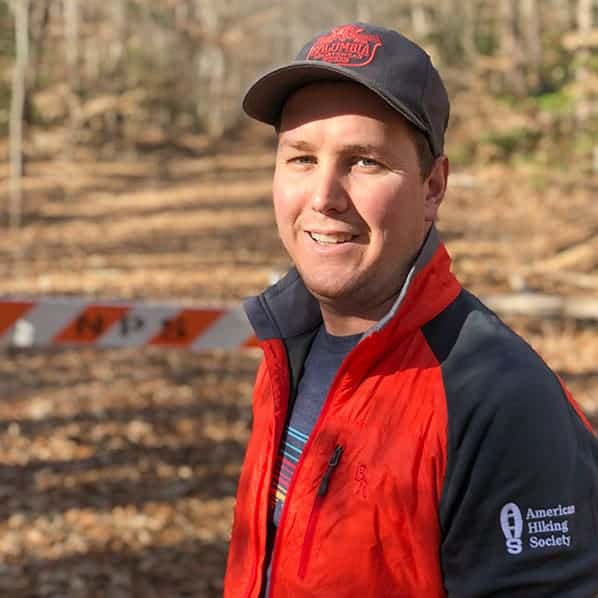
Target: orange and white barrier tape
x,y
77,321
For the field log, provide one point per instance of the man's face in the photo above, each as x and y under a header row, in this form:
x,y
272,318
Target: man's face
x,y
351,207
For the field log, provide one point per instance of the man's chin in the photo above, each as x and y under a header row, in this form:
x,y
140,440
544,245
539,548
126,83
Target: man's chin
x,y
331,291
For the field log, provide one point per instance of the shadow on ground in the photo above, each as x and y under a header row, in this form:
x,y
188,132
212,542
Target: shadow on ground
x,y
118,471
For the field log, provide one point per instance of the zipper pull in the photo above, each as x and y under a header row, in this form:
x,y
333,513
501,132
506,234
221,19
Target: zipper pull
x,y
336,457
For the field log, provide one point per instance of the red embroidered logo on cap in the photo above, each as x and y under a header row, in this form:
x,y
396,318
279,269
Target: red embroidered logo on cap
x,y
346,45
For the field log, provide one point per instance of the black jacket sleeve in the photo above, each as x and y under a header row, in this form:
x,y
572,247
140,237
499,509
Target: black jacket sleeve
x,y
519,510
519,505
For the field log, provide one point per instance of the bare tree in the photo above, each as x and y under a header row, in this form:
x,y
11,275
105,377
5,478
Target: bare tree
x,y
584,26
419,19
469,28
183,64
38,18
71,39
511,46
532,33
21,14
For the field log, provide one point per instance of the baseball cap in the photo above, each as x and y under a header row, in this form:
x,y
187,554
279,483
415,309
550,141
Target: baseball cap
x,y
383,60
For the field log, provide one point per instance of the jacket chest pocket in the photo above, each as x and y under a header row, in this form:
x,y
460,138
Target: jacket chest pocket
x,y
314,515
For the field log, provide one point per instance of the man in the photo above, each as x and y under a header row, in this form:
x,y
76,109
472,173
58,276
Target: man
x,y
405,442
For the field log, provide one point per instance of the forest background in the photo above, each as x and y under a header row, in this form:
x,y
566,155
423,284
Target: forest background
x,y
127,169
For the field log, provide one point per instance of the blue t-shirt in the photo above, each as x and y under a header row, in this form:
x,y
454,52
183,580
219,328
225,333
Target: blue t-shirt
x,y
323,361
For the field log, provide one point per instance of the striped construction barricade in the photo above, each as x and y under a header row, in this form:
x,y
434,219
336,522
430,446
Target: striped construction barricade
x,y
80,322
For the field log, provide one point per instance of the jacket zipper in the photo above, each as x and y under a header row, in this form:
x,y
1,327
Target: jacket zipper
x,y
315,511
314,432
322,488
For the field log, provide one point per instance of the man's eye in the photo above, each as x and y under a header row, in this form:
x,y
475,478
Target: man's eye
x,y
367,163
302,160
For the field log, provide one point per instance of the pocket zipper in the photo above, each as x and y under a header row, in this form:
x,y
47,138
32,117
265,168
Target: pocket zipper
x,y
315,511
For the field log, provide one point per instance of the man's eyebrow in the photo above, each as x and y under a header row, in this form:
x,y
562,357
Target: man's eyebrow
x,y
302,146
353,148
358,148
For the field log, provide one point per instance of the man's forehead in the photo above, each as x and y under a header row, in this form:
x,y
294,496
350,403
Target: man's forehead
x,y
345,104
336,97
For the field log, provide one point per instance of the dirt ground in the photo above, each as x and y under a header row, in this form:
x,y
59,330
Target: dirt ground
x,y
118,468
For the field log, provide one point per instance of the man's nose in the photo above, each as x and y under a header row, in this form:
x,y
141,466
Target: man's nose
x,y
329,193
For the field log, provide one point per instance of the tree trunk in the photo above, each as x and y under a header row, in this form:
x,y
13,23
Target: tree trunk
x,y
71,49
212,65
118,43
39,15
362,12
511,47
71,46
584,26
419,20
469,31
533,42
21,11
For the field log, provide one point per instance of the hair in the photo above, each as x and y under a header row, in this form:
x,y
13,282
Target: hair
x,y
425,155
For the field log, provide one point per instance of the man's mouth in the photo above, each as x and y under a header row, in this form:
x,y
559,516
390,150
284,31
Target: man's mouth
x,y
331,238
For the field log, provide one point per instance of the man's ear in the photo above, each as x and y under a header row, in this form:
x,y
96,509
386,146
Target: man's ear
x,y
435,188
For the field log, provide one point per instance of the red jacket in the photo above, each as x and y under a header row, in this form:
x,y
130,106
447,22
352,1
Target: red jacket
x,y
383,502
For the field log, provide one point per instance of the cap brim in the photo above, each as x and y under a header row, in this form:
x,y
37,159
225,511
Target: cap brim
x,y
265,98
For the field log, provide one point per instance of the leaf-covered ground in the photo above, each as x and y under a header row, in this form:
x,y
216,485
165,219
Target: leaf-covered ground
x,y
118,467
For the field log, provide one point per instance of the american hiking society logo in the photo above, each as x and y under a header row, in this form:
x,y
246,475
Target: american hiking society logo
x,y
511,523
347,45
544,528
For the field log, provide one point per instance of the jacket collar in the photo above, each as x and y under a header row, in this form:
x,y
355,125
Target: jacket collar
x,y
287,309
